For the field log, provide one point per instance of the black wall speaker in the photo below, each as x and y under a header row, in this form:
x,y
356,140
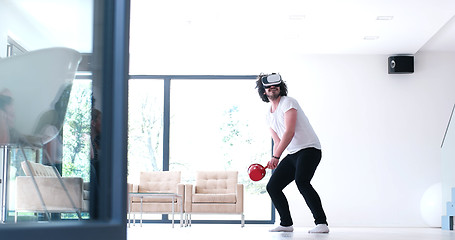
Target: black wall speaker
x,y
401,64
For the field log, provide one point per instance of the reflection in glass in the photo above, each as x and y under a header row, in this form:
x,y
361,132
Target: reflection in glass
x,y
34,119
44,114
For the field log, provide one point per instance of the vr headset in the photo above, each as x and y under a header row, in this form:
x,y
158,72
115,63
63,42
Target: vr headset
x,y
270,80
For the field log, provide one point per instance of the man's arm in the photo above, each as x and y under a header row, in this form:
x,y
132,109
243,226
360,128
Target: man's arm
x,y
290,118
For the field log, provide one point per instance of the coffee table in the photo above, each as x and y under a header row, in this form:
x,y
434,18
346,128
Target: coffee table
x,y
141,195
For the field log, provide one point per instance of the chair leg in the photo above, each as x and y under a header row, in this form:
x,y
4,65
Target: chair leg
x,y
15,216
242,221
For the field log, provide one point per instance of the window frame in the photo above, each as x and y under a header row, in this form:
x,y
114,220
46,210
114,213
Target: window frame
x,y
166,133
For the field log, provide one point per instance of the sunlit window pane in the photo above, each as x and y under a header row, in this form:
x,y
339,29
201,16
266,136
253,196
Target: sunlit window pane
x,y
220,125
145,124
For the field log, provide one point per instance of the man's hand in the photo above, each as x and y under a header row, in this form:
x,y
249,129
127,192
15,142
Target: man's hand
x,y
272,163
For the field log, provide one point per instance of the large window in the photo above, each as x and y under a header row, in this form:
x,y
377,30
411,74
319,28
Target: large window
x,y
215,123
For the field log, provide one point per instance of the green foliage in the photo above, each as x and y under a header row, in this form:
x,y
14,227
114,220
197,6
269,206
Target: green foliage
x,y
145,131
73,216
239,145
76,132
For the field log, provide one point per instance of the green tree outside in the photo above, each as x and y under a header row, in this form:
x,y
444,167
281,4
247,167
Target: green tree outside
x,y
76,131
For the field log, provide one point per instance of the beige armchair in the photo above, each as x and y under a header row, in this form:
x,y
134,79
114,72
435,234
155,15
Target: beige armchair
x,y
55,196
215,192
149,196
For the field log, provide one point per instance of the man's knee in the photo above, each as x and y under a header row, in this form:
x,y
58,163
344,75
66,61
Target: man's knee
x,y
272,188
269,187
303,185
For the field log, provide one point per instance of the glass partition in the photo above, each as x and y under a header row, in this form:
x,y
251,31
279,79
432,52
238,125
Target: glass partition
x,y
62,80
44,112
448,166
32,116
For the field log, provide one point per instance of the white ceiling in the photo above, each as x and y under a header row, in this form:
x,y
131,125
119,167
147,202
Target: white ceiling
x,y
301,26
444,40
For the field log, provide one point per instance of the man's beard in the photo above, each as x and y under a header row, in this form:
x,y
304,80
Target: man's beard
x,y
273,96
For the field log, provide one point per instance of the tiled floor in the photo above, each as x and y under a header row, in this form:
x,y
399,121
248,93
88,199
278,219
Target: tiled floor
x,y
260,232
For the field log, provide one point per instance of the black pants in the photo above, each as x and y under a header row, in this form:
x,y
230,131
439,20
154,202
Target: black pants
x,y
300,167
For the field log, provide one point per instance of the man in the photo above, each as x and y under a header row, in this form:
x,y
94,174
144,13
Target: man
x,y
291,131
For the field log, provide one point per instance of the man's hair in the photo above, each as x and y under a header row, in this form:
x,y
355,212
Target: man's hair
x,y
95,114
261,89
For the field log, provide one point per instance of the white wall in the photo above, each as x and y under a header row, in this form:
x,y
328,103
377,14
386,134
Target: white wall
x,y
380,133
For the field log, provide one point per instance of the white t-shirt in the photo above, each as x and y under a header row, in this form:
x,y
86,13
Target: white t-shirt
x,y
304,136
